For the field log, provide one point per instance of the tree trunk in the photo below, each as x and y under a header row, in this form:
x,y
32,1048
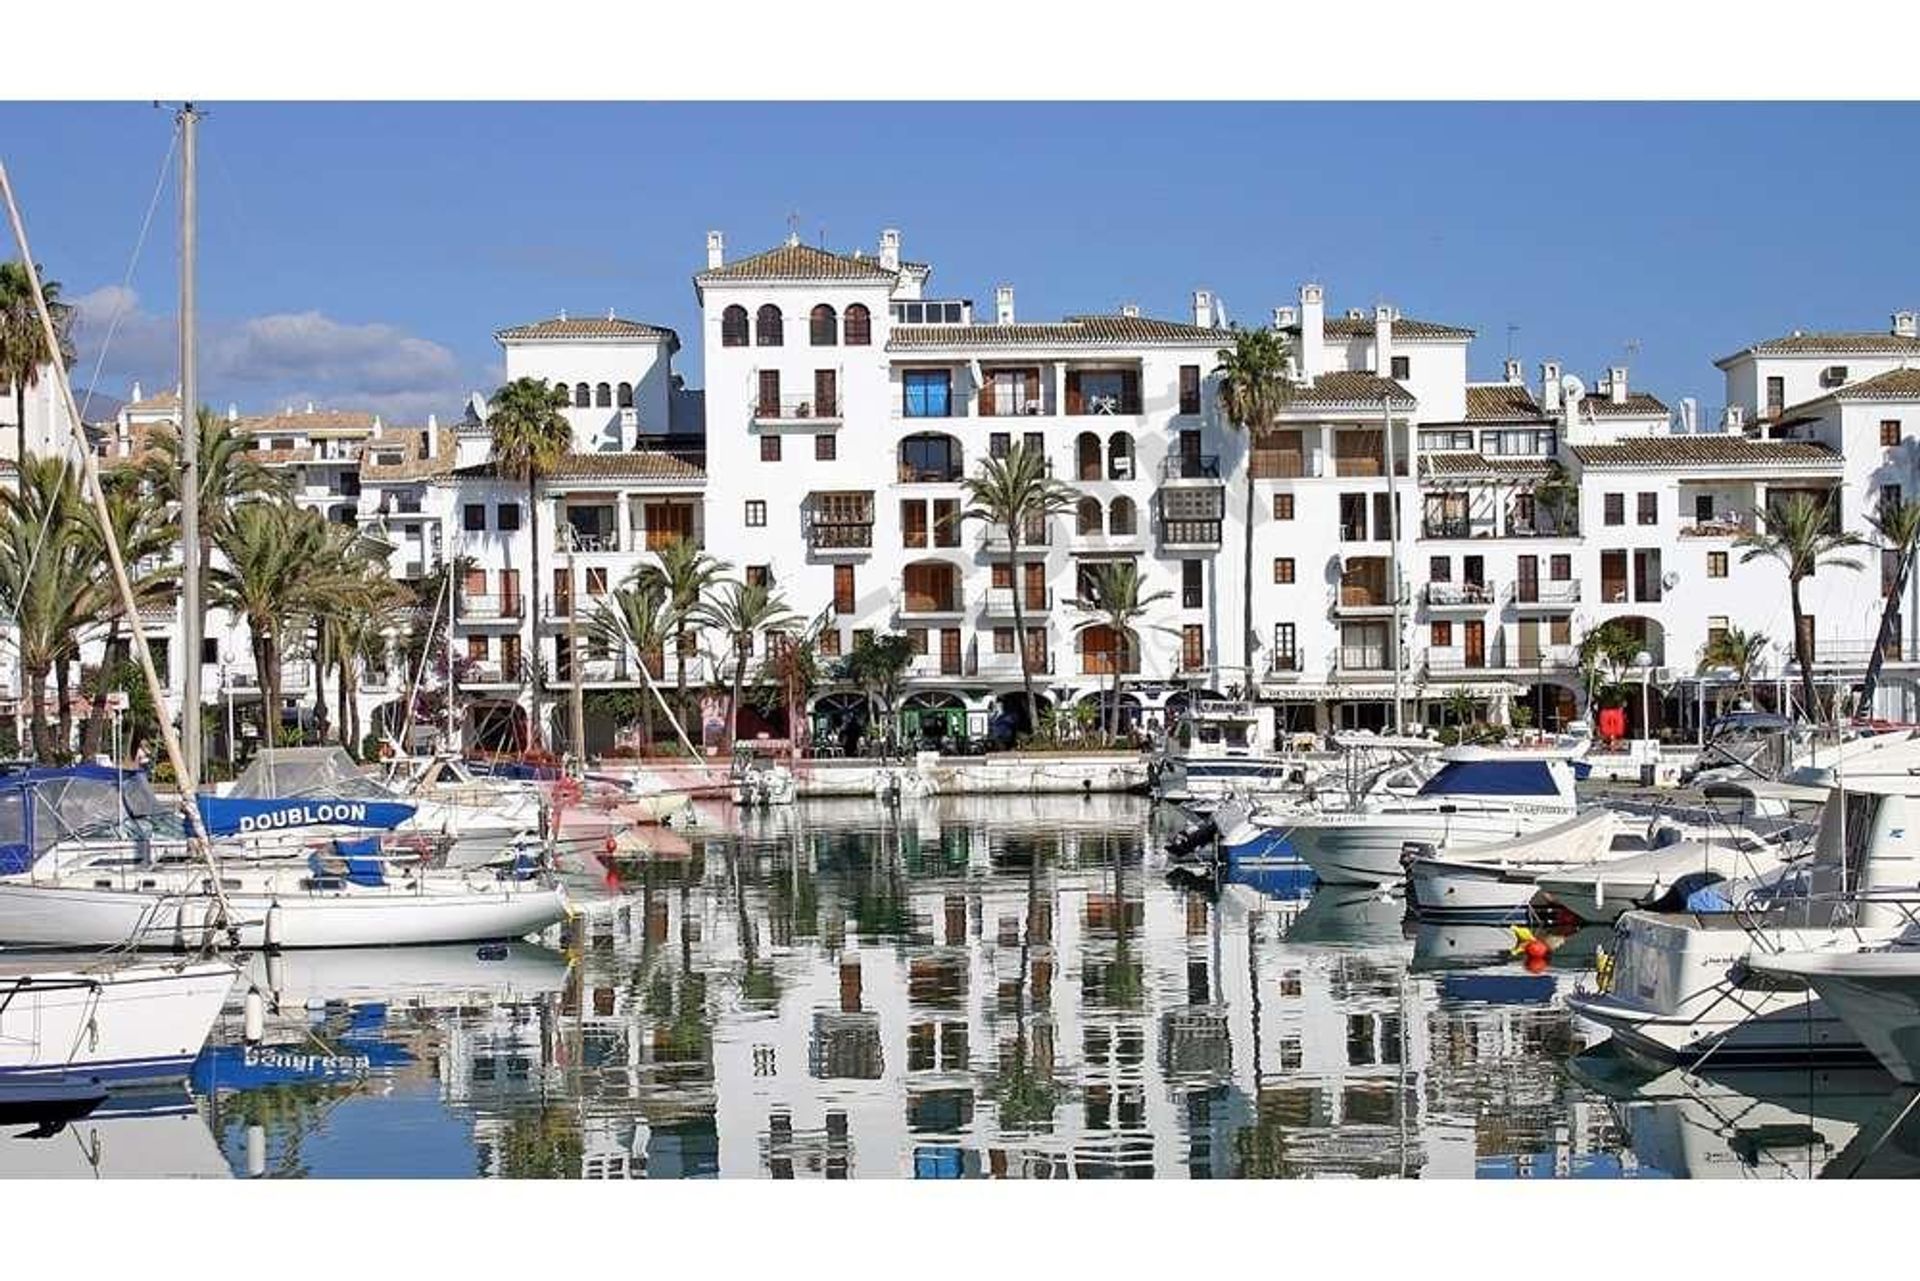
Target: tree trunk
x,y
37,712
1020,619
1803,653
20,416
680,682
536,737
1889,631
63,690
268,656
733,709
1246,575
344,700
95,731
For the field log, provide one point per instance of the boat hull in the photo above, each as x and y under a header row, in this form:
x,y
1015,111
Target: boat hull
x,y
137,1024
1366,848
59,916
1447,887
1876,994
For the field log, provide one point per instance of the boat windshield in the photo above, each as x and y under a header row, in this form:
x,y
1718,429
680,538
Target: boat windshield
x,y
307,771
1492,778
40,808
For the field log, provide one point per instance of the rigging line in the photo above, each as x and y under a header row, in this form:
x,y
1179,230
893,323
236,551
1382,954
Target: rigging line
x,y
133,264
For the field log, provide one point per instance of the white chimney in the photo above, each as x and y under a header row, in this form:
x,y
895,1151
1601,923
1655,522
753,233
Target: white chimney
x,y
1286,317
1202,309
133,397
1689,415
716,250
1617,384
1549,386
1131,310
1513,372
1313,315
1003,304
233,412
890,249
309,406
376,422
1906,324
432,442
1383,341
1733,421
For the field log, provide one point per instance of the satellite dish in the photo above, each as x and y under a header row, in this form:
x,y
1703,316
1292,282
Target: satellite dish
x,y
1573,389
1669,579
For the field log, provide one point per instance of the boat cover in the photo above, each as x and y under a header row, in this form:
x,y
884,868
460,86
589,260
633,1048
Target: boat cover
x,y
1492,778
41,805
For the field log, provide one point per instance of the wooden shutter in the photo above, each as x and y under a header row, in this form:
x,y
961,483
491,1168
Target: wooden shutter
x,y
1075,404
1033,389
769,393
826,394
987,409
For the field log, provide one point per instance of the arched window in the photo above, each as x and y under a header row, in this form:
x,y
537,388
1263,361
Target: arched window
x,y
823,326
733,326
1089,516
1120,456
766,327
1121,517
603,396
930,458
1086,449
859,326
623,397
582,396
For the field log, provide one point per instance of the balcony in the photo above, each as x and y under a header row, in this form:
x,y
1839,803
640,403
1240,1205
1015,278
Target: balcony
x,y
1285,664
1095,662
919,473
814,411
1363,661
1038,536
1459,595
929,665
855,538
590,542
603,671
1564,594
484,674
1007,666
1452,527
1723,525
998,602
1190,535
915,604
1200,467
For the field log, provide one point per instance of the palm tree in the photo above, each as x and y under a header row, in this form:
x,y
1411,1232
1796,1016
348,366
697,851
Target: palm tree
x,y
1014,494
1114,599
1801,535
634,622
46,573
362,610
1606,651
1739,650
23,343
278,569
146,539
685,576
530,436
1253,386
738,611
878,667
1898,525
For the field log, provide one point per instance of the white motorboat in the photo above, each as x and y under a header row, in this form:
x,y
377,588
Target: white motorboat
x,y
1501,879
1875,992
1601,890
1479,796
1224,747
67,1018
1680,986
144,1134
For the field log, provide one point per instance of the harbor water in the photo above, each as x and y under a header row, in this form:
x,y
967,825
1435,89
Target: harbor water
x,y
963,987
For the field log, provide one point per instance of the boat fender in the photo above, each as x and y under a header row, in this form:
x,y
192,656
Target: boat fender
x,y
256,1017
271,933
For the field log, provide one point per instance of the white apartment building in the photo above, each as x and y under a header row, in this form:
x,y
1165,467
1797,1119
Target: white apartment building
x,y
846,399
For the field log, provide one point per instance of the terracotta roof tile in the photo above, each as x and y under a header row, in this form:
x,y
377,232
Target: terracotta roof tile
x,y
413,463
1638,404
1348,387
319,420
1403,327
800,262
1829,343
1450,464
588,327
1502,402
1074,331
155,404
1704,450
645,464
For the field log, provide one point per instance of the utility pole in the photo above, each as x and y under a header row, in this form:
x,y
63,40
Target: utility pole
x,y
191,623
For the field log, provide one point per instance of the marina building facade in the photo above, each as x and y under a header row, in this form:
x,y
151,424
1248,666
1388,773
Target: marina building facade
x,y
1417,534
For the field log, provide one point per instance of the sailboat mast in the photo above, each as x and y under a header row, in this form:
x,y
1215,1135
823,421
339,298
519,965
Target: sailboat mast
x,y
191,622
1395,582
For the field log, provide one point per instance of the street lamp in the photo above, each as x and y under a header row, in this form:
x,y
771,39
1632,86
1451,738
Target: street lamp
x,y
226,692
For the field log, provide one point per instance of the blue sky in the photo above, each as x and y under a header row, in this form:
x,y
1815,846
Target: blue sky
x,y
363,254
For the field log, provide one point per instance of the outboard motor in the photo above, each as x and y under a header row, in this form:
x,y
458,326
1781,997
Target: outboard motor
x,y
1190,838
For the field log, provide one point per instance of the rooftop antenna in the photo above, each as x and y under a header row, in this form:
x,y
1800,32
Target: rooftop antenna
x,y
1632,347
793,226
1513,331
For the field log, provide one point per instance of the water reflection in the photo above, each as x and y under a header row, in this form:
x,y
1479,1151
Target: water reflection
x,y
1002,987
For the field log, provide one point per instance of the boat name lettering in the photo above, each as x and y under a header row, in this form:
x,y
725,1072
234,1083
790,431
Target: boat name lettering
x,y
306,815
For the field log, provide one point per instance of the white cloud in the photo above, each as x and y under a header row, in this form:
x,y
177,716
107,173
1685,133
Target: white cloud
x,y
266,361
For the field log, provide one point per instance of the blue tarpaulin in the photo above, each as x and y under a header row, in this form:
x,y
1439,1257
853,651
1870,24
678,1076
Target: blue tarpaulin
x,y
231,815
